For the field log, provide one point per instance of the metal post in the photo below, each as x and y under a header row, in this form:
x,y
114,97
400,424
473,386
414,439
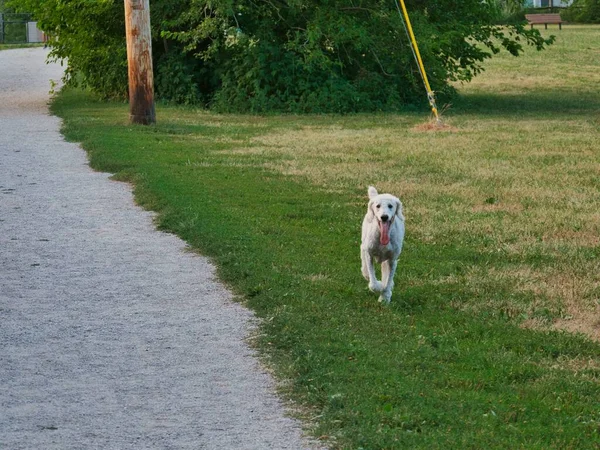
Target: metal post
x,y
139,61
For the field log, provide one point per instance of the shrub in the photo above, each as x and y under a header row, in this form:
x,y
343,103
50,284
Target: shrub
x,y
293,56
177,78
583,11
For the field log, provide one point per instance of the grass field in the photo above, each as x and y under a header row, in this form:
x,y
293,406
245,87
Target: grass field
x,y
501,256
11,46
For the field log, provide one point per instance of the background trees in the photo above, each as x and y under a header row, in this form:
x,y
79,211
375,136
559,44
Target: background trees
x,y
583,11
283,55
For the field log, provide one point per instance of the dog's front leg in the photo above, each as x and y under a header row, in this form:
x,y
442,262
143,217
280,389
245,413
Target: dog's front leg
x,y
367,261
364,261
388,269
385,273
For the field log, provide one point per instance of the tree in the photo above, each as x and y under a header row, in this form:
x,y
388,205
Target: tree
x,y
583,11
90,36
285,55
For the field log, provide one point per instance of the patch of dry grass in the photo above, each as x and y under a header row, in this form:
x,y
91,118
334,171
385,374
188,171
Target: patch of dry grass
x,y
520,179
515,170
522,187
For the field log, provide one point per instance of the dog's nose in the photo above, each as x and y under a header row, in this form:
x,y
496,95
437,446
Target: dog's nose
x,y
384,218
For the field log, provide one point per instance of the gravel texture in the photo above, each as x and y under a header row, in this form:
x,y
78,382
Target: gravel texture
x,y
111,334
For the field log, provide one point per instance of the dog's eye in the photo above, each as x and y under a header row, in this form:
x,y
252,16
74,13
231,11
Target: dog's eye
x,y
377,206
390,206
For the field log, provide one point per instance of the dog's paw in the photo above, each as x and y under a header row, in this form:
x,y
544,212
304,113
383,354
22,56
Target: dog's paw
x,y
385,298
375,286
365,274
384,301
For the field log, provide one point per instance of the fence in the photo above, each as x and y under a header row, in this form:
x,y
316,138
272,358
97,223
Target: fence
x,y
19,29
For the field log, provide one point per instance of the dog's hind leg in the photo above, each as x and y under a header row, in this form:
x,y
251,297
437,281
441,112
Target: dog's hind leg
x,y
364,265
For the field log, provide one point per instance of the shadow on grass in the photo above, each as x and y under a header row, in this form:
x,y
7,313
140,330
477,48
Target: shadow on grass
x,y
551,103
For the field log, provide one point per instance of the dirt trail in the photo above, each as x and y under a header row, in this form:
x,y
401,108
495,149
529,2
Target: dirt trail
x,y
111,334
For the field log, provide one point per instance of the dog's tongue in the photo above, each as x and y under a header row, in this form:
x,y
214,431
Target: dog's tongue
x,y
384,233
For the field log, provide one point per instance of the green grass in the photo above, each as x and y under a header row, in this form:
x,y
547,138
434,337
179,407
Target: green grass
x,y
501,251
12,46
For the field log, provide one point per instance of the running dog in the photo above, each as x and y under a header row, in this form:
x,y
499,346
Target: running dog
x,y
382,238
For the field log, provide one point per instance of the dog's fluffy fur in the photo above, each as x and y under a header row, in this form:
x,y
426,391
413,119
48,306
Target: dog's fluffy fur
x,y
382,238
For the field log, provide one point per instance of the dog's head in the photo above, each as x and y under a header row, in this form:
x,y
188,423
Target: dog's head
x,y
385,208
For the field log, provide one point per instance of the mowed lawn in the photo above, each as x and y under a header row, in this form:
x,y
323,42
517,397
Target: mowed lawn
x,y
492,336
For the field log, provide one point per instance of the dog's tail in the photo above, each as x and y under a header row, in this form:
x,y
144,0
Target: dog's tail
x,y
372,192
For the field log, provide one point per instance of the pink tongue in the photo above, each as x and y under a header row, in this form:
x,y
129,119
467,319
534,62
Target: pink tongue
x,y
384,233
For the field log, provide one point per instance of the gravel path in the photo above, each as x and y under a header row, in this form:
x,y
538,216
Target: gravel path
x,y
111,334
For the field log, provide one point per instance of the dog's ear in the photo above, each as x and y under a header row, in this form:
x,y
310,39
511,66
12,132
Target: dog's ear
x,y
399,210
372,192
370,213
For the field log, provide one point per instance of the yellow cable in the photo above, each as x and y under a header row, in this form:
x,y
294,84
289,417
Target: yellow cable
x,y
430,95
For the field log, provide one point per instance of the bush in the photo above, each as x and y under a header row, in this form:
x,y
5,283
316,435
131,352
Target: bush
x,y
270,79
15,33
90,35
292,56
583,11
177,78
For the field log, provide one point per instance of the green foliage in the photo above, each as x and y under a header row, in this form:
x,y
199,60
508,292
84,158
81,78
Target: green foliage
x,y
90,35
14,33
293,56
510,8
176,79
583,11
268,79
311,56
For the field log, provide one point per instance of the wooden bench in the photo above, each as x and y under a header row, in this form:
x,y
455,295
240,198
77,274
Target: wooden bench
x,y
545,19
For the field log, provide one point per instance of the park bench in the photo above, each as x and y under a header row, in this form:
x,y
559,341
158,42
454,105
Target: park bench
x,y
545,19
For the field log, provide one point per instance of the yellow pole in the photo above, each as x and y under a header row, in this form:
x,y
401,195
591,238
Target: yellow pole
x,y
430,94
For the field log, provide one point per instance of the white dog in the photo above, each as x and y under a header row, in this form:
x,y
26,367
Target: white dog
x,y
382,238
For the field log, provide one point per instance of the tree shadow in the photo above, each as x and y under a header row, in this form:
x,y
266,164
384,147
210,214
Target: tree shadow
x,y
539,103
